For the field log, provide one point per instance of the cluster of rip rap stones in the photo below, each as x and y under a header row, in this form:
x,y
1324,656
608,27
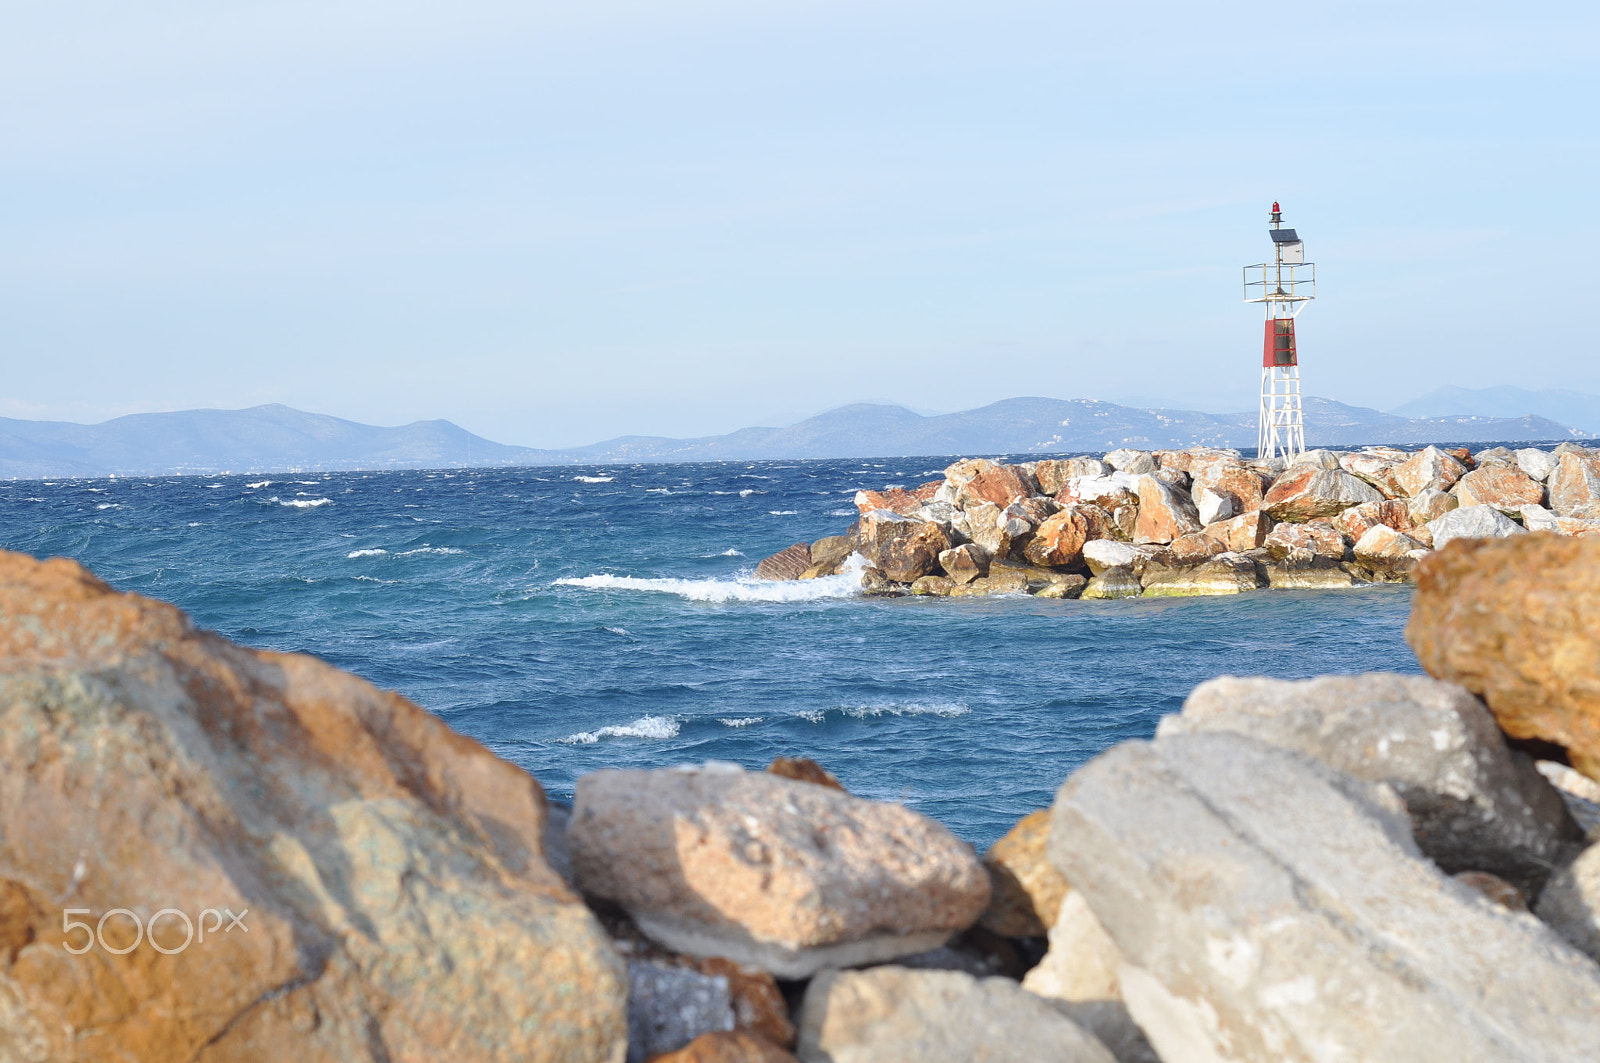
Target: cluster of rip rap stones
x,y
1196,521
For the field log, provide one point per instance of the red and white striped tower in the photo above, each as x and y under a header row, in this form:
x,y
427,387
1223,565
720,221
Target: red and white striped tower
x,y
1285,285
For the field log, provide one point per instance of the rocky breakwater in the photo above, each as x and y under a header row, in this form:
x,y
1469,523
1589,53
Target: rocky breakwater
x,y
1197,521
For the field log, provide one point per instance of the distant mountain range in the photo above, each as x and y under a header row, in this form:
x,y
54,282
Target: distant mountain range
x,y
1568,407
276,438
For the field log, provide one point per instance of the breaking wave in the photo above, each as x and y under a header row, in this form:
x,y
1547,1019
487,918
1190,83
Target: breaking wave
x,y
844,585
658,727
304,503
594,479
366,553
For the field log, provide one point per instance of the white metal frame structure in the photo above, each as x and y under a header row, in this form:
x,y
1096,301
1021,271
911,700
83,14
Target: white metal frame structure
x,y
1285,285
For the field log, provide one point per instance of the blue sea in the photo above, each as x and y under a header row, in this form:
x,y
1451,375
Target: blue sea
x,y
578,618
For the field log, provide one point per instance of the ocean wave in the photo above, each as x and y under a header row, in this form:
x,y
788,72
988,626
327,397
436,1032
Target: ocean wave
x,y
259,484
617,631
594,479
748,491
309,483
740,721
374,552
430,550
657,491
658,727
303,503
844,585
843,513
109,505
729,552
944,709
783,512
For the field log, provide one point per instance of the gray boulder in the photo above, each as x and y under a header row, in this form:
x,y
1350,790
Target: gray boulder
x,y
897,1015
1270,908
1475,804
1537,464
1473,522
1115,582
1101,554
1571,902
670,1006
1131,461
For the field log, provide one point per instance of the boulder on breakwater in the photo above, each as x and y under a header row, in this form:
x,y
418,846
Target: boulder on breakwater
x,y
1350,867
1205,520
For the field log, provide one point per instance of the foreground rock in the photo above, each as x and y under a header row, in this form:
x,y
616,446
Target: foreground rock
x,y
1306,492
668,1007
1472,522
1026,889
783,875
789,563
1517,622
727,1048
1571,902
388,871
1475,805
897,1015
1270,908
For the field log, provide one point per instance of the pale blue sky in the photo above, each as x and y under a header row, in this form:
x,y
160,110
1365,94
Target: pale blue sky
x,y
556,223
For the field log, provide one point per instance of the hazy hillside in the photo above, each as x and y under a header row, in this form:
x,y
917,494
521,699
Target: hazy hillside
x,y
276,438
1568,407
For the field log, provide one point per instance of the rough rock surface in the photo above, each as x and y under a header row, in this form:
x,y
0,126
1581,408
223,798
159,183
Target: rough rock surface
x,y
1247,532
788,563
1505,487
1387,552
1133,462
735,1047
1196,547
1165,512
1571,902
778,874
1101,554
1472,522
981,480
1537,518
1517,622
1430,504
827,553
902,547
1305,492
1212,507
1309,574
1356,521
1230,480
804,769
1377,467
1536,464
1052,476
964,563
398,905
670,1006
1026,889
1475,804
1226,574
1078,975
1059,539
1258,928
898,1015
1428,468
1118,582
896,499
1575,486
1305,541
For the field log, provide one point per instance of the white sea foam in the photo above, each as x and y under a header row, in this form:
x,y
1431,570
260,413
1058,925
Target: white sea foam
x,y
108,505
843,513
657,491
616,630
944,709
303,503
741,721
729,552
594,479
309,483
747,492
845,585
367,553
430,550
658,727
259,484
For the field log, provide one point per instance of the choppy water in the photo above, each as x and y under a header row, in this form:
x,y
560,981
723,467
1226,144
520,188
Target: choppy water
x,y
572,619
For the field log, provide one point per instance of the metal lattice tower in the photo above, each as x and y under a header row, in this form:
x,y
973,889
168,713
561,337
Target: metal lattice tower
x,y
1285,285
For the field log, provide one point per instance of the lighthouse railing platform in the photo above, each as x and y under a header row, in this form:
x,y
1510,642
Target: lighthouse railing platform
x,y
1283,282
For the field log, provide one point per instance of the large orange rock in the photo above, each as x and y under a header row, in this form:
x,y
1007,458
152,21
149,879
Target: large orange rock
x,y
1165,512
1307,491
1356,521
1517,621
1231,480
1059,539
980,480
730,1047
389,872
1242,533
1377,465
897,499
1505,487
1429,467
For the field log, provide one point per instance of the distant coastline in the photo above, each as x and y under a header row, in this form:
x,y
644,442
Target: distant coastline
x,y
278,439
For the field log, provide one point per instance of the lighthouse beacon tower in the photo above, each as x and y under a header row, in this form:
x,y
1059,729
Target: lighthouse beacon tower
x,y
1285,285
